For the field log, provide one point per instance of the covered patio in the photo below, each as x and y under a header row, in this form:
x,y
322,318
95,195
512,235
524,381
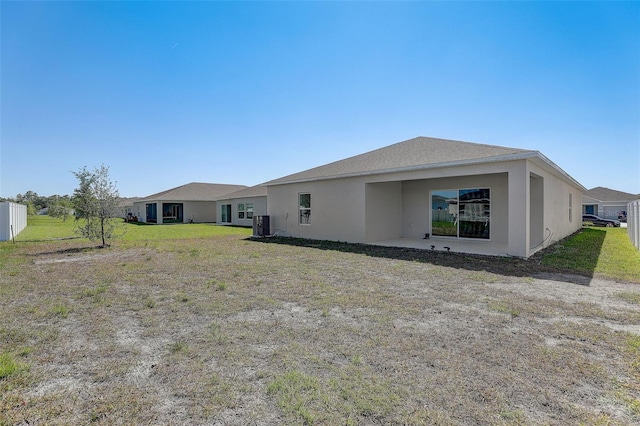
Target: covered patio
x,y
439,244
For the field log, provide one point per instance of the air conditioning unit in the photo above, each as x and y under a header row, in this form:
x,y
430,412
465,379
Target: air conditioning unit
x,y
261,226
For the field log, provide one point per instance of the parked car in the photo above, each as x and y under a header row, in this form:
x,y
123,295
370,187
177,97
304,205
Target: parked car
x,y
598,221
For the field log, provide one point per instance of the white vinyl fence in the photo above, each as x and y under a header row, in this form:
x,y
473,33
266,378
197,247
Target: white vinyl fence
x,y
13,219
633,222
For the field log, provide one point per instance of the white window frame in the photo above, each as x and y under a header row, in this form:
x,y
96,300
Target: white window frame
x,y
249,210
304,211
223,212
241,211
457,236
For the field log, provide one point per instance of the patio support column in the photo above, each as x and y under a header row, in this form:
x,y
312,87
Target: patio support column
x,y
519,210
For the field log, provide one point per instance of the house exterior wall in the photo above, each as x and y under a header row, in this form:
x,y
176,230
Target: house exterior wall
x,y
125,210
367,209
557,223
383,208
610,210
199,211
13,219
518,225
337,210
139,209
417,210
536,211
604,209
259,209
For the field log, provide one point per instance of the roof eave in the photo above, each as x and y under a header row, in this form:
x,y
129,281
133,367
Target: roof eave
x,y
559,171
510,157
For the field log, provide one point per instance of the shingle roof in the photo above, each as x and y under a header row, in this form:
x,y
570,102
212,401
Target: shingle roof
x,y
195,191
605,194
420,152
124,202
252,191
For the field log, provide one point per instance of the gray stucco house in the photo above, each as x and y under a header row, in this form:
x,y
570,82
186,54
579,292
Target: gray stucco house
x,y
194,201
470,197
239,207
606,203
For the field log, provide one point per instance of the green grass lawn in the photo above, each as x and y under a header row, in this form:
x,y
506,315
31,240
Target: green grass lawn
x,y
444,228
164,328
606,252
42,228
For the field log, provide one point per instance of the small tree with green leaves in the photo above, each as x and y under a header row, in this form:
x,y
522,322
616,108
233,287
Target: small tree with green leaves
x,y
96,204
31,209
61,207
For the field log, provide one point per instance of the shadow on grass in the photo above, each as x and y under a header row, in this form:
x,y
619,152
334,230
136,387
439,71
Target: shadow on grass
x,y
48,240
183,223
70,250
579,252
508,266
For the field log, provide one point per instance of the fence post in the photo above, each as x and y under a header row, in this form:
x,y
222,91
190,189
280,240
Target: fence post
x,y
633,222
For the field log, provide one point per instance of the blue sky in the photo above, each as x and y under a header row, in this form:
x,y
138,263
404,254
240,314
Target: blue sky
x,y
167,93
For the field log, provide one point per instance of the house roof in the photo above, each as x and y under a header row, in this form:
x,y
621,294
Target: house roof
x,y
252,191
125,202
588,200
194,191
605,194
415,154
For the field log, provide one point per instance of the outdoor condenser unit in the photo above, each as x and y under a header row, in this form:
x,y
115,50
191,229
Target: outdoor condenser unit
x,y
261,226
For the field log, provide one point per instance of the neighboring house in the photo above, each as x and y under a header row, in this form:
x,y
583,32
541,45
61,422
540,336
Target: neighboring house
x,y
238,208
13,219
126,208
193,202
607,203
469,197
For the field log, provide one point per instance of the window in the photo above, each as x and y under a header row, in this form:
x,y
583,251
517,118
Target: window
x,y
152,213
444,213
305,208
225,213
240,210
474,213
461,213
570,207
172,212
249,211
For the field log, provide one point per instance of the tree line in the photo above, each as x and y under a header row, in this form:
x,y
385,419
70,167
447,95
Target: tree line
x,y
56,205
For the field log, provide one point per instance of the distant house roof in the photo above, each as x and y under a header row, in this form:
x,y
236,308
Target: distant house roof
x,y
125,202
605,194
252,191
589,200
195,191
416,154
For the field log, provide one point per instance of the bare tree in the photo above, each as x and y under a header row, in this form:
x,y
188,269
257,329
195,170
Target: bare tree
x,y
96,204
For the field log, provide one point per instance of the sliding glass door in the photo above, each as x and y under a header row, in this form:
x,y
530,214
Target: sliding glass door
x,y
461,213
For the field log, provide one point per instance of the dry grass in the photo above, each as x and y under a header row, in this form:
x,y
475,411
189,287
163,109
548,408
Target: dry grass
x,y
225,330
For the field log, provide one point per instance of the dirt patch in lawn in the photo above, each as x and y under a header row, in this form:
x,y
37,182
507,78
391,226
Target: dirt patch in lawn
x,y
232,331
